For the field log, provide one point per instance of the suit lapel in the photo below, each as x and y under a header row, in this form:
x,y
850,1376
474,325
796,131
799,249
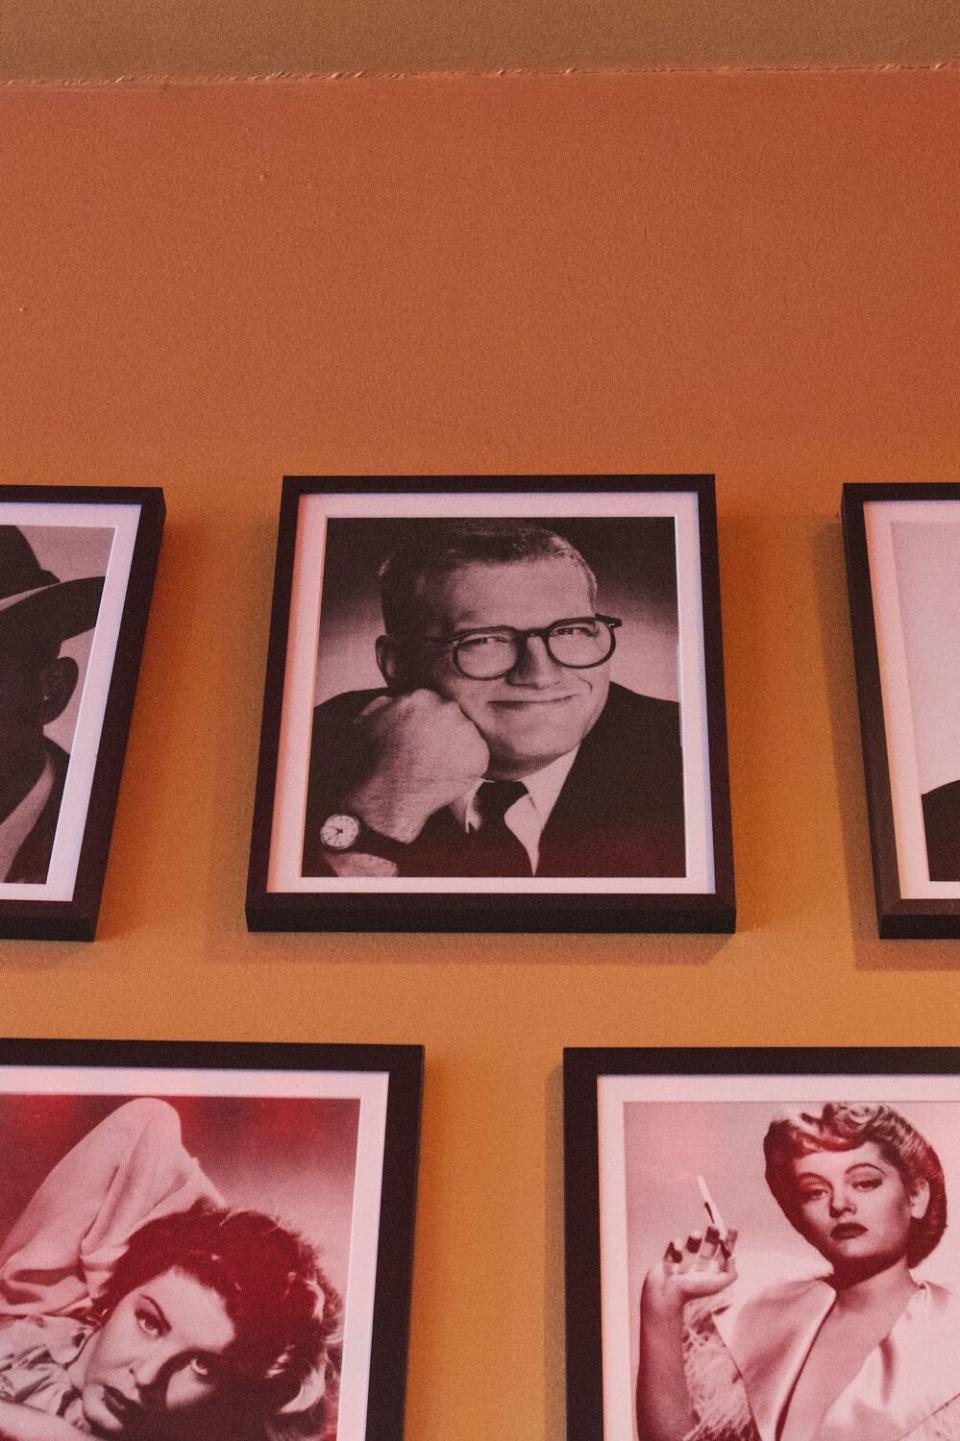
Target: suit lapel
x,y
32,860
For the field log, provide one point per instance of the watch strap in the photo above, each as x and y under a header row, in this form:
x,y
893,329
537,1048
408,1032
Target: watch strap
x,y
368,842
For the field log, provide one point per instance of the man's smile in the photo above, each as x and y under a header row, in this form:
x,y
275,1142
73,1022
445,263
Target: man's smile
x,y
530,701
538,710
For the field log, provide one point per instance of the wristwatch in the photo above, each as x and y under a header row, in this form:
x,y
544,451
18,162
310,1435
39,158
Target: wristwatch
x,y
342,833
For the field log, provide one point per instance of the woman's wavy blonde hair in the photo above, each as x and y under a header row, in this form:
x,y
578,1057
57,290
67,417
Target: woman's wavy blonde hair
x,y
842,1126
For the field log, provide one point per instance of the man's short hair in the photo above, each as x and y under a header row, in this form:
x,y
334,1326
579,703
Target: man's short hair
x,y
435,548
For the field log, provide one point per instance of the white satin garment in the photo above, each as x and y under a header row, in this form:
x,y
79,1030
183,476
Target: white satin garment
x,y
908,1386
130,1169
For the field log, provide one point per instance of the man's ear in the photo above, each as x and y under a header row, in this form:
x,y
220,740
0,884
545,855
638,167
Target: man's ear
x,y
920,1200
57,682
390,661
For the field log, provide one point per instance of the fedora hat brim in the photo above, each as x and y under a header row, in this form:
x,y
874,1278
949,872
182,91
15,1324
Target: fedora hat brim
x,y
64,609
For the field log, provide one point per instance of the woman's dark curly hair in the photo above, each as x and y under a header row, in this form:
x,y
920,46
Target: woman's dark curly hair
x,y
285,1359
842,1126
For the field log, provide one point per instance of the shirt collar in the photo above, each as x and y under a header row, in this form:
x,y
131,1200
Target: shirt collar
x,y
543,787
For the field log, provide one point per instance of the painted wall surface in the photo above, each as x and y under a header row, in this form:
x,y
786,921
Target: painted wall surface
x,y
109,39
754,274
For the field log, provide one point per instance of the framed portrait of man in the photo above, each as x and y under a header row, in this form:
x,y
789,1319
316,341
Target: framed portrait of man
x,y
206,1240
757,1244
76,574
903,569
494,704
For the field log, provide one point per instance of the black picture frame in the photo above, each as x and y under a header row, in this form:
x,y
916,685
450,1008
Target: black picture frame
x,y
902,593
53,884
673,517
298,1131
641,1124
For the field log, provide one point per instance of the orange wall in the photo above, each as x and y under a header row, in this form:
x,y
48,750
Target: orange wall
x,y
207,287
104,39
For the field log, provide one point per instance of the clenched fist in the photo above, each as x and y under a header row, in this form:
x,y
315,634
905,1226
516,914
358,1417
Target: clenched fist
x,y
423,754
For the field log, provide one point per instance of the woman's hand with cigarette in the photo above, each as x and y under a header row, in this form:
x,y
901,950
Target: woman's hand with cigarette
x,y
702,1265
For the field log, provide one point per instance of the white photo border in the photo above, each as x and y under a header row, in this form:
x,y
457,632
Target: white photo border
x,y
901,710
385,1082
65,906
598,1086
124,521
276,877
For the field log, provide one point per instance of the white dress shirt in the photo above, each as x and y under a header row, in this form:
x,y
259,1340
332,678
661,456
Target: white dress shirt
x,y
527,817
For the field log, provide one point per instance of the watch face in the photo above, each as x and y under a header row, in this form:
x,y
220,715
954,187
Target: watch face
x,y
338,833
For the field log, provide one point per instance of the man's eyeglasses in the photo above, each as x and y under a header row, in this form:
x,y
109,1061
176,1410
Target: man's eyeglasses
x,y
579,643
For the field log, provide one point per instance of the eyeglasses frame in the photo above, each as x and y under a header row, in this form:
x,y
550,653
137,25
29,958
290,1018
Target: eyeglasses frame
x,y
521,638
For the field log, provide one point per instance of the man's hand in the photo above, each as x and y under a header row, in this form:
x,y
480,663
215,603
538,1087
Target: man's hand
x,y
424,753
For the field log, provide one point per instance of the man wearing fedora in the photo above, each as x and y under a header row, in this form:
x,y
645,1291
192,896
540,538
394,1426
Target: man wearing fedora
x,y
38,612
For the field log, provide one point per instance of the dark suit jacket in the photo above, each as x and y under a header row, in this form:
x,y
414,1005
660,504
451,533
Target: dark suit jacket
x,y
32,860
620,812
941,821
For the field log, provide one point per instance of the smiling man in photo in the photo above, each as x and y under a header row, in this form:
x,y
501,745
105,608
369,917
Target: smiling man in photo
x,y
500,745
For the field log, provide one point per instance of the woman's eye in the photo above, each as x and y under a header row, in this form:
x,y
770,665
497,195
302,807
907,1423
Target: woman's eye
x,y
148,1323
807,1196
870,1185
202,1368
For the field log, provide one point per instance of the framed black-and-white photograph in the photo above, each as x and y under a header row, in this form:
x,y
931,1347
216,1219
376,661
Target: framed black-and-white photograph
x,y
756,1244
494,703
206,1241
76,573
903,569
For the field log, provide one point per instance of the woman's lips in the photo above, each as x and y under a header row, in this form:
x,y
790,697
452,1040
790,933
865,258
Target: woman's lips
x,y
120,1405
847,1230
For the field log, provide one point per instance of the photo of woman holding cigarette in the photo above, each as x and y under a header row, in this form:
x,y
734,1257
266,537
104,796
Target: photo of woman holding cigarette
x,y
858,1349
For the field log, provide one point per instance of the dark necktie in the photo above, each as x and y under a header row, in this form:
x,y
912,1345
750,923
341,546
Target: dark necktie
x,y
494,850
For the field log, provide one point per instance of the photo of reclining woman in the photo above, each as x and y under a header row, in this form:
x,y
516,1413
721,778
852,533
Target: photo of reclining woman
x,y
149,1295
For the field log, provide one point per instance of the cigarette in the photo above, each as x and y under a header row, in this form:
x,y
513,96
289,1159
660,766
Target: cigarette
x,y
713,1210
